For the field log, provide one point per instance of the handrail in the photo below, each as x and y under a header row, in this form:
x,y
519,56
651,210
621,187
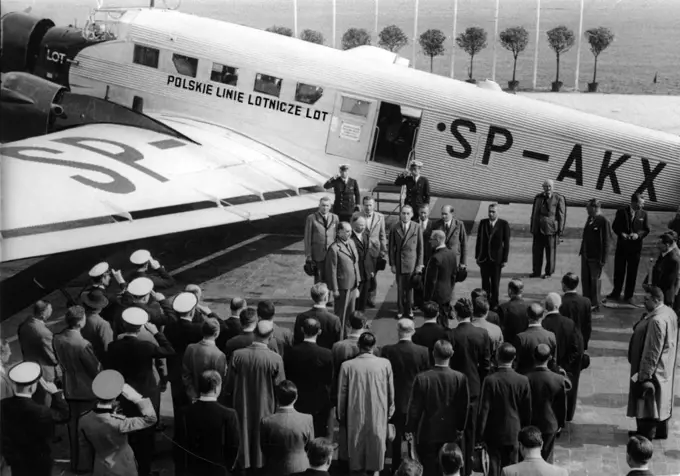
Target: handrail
x,y
375,144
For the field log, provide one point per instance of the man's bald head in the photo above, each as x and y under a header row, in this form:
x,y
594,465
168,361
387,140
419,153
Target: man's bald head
x,y
553,301
439,237
236,305
405,327
542,353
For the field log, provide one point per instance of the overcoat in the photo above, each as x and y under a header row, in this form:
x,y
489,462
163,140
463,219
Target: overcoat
x,y
653,354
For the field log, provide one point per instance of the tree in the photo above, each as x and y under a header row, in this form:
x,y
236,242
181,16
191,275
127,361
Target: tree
x,y
599,38
432,43
473,40
392,38
355,37
560,39
514,39
281,30
312,36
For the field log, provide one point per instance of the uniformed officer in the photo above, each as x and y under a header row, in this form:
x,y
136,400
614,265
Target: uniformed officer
x,y
346,194
27,426
417,187
157,273
140,293
100,279
103,441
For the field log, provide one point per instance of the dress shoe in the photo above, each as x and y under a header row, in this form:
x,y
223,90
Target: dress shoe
x,y
410,316
613,297
535,275
595,309
399,315
546,276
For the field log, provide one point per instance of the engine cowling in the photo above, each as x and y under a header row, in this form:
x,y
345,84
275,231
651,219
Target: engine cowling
x,y
22,35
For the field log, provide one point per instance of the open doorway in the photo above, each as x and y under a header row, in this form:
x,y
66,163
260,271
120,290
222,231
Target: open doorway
x,y
395,134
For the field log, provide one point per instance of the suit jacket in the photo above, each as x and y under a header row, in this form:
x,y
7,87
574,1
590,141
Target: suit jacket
x,y
417,192
548,215
180,334
428,334
79,364
319,236
548,400
624,222
427,228
513,316
505,407
28,429
283,438
493,244
439,405
534,467
198,358
640,472
160,277
347,195
310,367
526,343
366,262
666,275
242,341
35,340
312,472
375,231
99,333
440,276
214,433
406,251
283,338
596,239
408,360
577,308
330,326
456,238
229,327
342,266
569,341
471,355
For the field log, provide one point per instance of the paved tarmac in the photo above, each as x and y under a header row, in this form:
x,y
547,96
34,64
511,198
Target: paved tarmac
x,y
269,266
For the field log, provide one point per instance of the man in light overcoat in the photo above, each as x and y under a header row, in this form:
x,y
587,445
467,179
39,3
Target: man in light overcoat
x,y
320,230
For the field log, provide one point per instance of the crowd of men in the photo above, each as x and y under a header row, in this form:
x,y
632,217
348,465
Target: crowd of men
x,y
480,376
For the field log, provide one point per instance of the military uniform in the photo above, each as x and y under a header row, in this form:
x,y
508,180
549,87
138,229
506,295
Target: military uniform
x,y
417,192
347,196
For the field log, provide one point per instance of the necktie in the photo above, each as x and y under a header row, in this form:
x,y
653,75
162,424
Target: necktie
x,y
405,228
325,221
448,227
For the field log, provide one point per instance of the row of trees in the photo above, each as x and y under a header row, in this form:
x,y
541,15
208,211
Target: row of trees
x,y
514,39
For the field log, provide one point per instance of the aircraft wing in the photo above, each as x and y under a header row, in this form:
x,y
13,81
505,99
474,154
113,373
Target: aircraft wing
x,y
661,113
105,183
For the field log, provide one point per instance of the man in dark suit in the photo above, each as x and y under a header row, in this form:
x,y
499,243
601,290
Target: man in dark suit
x,y
492,316
320,455
594,251
133,358
320,230
631,227
456,237
406,258
366,263
568,338
431,331
310,367
408,360
427,226
491,252
472,357
548,219
249,321
212,430
329,322
438,409
548,400
666,269
231,326
526,341
440,273
578,309
504,409
28,426
376,242
347,194
343,276
513,313
417,187
639,452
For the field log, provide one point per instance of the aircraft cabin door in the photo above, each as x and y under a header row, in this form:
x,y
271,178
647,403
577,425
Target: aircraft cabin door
x,y
351,131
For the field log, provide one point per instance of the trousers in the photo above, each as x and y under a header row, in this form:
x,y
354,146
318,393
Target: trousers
x,y
591,271
626,261
544,244
501,456
76,408
491,279
404,294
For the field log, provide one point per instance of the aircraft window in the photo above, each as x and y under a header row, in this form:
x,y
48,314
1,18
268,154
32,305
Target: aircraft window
x,y
224,74
185,65
146,56
355,106
267,84
307,93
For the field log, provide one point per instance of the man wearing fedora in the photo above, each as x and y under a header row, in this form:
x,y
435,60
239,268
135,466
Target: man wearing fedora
x,y
96,329
347,193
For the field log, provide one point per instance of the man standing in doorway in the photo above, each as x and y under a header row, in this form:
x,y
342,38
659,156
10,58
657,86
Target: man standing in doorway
x,y
631,227
594,251
346,191
548,217
417,188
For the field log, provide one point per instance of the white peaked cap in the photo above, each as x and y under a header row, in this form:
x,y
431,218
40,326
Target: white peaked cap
x,y
25,373
135,316
140,257
140,286
184,302
99,269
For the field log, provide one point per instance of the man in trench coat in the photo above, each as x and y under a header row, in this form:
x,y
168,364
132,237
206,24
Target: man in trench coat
x,y
653,354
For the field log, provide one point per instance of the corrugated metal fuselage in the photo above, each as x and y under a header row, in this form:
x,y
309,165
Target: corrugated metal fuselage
x,y
475,143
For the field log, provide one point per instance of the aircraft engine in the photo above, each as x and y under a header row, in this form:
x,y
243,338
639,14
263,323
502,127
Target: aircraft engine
x,y
21,36
29,106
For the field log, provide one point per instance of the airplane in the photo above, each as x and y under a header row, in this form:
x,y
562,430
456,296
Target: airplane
x,y
315,107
